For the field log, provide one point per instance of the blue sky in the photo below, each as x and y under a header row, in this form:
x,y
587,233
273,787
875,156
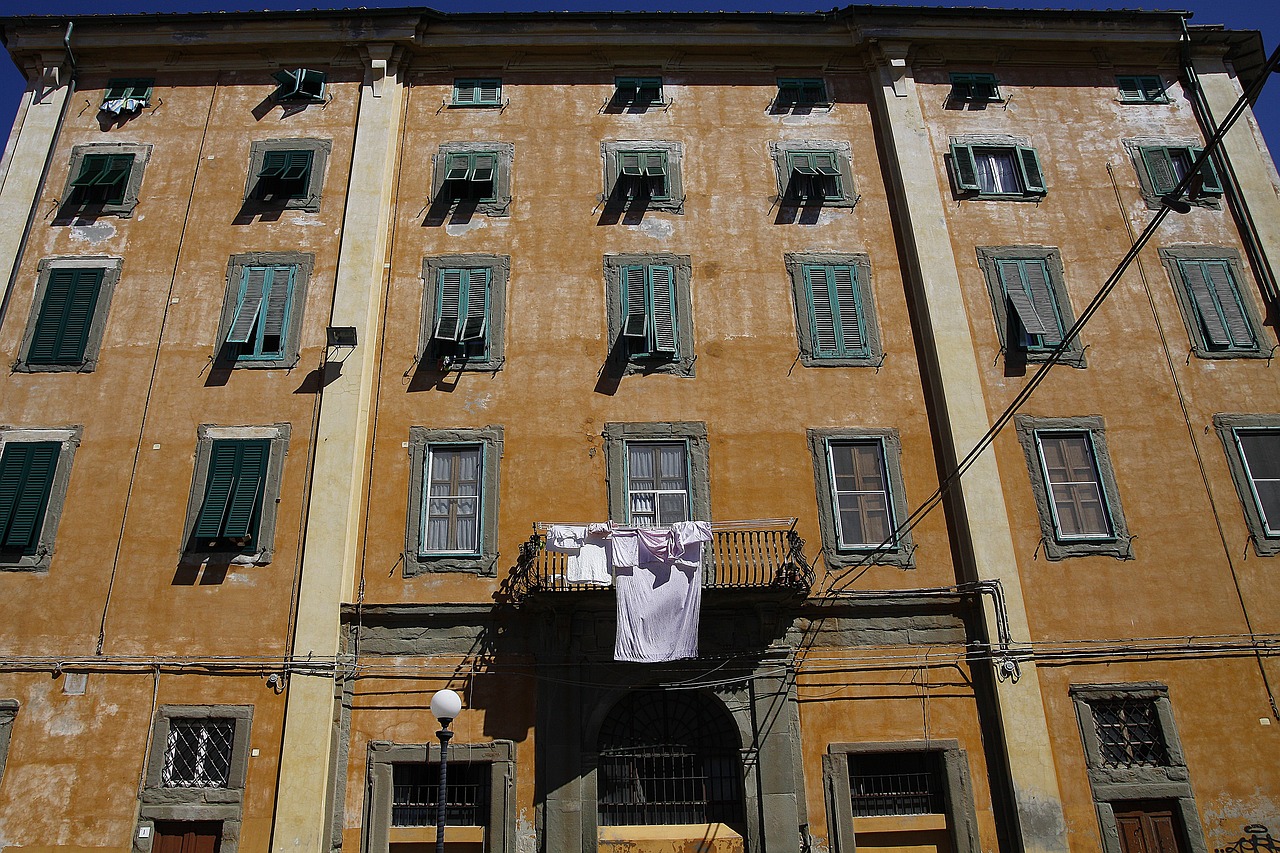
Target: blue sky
x,y
1261,15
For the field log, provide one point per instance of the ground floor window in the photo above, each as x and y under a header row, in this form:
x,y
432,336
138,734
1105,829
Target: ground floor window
x,y
903,783
415,794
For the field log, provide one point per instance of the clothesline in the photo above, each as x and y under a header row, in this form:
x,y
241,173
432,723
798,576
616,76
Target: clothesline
x,y
741,524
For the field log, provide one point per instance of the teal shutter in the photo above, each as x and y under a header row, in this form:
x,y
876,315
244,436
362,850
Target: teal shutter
x,y
1160,171
635,319
849,311
234,487
835,311
1210,183
1042,297
275,320
1131,89
822,312
662,283
490,90
26,479
964,169
253,284
449,305
1229,299
1029,165
476,324
61,333
1213,292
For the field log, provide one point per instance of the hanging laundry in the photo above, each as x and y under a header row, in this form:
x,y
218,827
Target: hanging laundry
x,y
566,537
626,548
660,598
590,563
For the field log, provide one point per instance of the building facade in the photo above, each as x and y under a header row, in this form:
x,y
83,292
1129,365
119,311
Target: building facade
x,y
320,324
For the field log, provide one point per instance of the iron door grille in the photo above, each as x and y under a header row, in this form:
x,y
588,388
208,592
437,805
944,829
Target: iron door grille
x,y
415,796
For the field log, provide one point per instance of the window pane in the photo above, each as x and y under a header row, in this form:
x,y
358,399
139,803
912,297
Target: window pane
x,y
1074,486
453,502
1261,452
657,482
861,492
997,170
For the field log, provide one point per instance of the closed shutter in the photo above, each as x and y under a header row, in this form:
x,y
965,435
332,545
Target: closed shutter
x,y
26,478
279,295
449,309
1159,163
244,323
850,317
218,485
489,91
1041,292
464,92
1238,327
822,316
1032,174
61,333
635,322
233,490
1212,323
477,316
662,282
963,168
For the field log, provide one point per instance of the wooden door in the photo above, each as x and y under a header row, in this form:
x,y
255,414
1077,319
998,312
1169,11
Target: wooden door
x,y
1148,828
187,837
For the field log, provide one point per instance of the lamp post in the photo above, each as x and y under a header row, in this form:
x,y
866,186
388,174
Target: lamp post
x,y
445,705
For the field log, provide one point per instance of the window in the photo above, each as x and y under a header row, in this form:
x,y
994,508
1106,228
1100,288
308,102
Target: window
x,y
1220,318
1133,753
124,96
463,307
35,471
996,170
69,314
1162,166
643,174
870,780
404,788
800,93
1141,89
657,473
814,173
1074,487
196,772
477,175
1029,301
232,509
453,500
198,753
974,88
636,94
650,312
287,173
8,712
1252,444
261,323
477,92
300,84
834,315
861,498
104,179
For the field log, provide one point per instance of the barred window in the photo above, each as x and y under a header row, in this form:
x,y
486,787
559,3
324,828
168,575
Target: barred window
x,y
1129,733
896,783
198,753
416,794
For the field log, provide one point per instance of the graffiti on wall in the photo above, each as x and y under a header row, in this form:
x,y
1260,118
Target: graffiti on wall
x,y
1256,839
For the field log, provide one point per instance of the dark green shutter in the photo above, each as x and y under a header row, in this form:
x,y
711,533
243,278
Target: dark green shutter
x,y
1210,183
449,305
662,282
963,168
61,333
635,318
1160,171
1032,174
234,487
26,478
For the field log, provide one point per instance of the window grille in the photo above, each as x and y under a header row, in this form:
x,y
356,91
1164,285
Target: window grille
x,y
1129,733
415,798
198,753
896,783
668,759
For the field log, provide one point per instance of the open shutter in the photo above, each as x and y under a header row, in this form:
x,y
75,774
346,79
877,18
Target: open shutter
x,y
1130,88
1020,298
217,491
822,312
662,281
311,83
655,163
635,322
477,319
449,306
245,320
457,167
489,91
1046,305
1215,330
297,165
847,304
279,287
1160,170
1238,327
288,81
92,168
246,493
802,164
26,478
1029,165
1210,183
963,168
482,170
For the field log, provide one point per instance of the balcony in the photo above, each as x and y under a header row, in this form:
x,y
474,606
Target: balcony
x,y
761,554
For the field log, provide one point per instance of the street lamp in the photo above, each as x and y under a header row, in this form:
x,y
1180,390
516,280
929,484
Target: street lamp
x,y
445,705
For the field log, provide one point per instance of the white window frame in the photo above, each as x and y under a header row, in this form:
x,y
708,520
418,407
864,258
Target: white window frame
x,y
1097,482
427,497
656,492
886,493
1252,480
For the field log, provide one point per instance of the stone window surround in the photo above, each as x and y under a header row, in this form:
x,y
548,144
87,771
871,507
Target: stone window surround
x,y
613,264
195,804
675,182
133,183
778,152
962,821
861,262
1120,544
206,434
1226,424
995,140
224,353
1133,147
1110,785
505,151
902,554
70,439
1170,255
500,274
110,267
1073,355
8,712
490,438
693,433
500,755
320,150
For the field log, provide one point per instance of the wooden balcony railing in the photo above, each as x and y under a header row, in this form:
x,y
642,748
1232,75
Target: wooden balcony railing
x,y
742,555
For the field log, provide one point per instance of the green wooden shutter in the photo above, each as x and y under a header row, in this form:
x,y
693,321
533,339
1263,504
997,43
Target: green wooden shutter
x,y
26,478
1131,89
245,501
217,492
1035,324
848,311
449,305
253,283
482,167
275,321
1042,297
289,82
464,92
457,167
1202,296
1210,183
1228,296
822,312
963,168
635,319
490,91
477,310
1029,165
662,282
61,333
1160,171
